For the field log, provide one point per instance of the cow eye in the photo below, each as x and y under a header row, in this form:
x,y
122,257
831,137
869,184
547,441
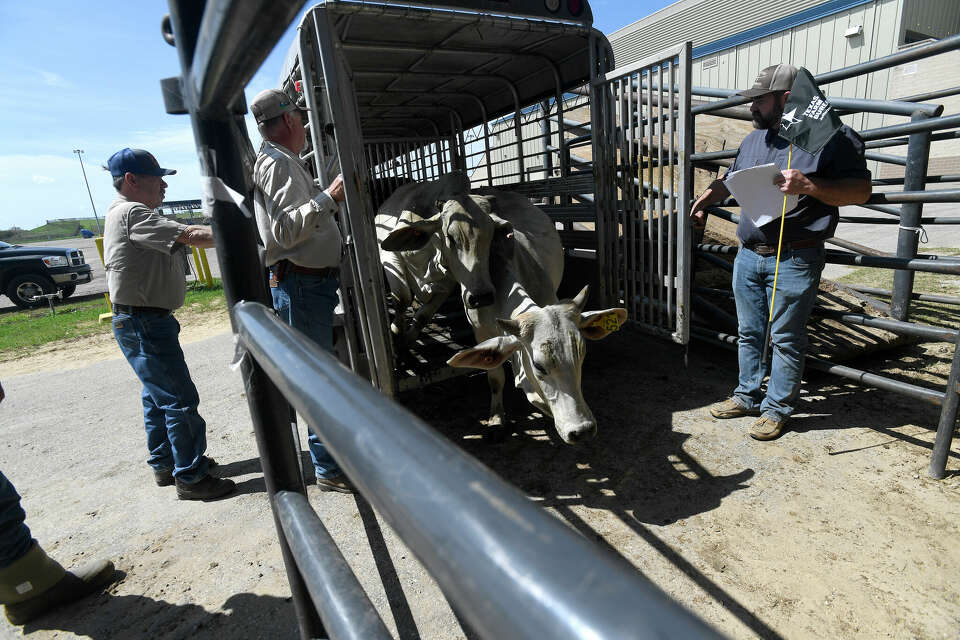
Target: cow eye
x,y
453,243
540,369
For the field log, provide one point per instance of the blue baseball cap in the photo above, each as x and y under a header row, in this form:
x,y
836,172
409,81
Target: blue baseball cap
x,y
136,161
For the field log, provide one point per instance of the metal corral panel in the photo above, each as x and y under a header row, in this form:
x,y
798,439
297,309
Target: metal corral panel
x,y
929,18
699,21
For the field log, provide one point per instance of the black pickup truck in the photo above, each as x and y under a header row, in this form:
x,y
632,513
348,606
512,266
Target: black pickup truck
x,y
28,272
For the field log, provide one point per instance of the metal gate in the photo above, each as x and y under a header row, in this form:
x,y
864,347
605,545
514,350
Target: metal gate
x,y
642,142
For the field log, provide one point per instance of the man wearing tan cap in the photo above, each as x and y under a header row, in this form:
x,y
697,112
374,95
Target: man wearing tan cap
x,y
835,176
301,240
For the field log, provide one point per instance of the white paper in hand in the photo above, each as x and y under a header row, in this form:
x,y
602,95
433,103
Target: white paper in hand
x,y
759,199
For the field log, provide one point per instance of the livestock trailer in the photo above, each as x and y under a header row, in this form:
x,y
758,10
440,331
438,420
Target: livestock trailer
x,y
520,95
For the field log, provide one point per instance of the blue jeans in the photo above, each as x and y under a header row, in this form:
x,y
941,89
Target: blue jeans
x,y
306,303
797,286
15,538
176,434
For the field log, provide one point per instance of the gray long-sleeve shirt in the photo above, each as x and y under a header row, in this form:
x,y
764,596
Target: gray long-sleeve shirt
x,y
292,225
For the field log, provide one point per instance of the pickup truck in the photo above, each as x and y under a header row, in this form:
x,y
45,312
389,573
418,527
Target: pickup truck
x,y
28,272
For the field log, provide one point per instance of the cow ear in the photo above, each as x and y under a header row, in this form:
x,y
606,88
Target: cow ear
x,y
489,354
411,236
596,325
581,298
510,327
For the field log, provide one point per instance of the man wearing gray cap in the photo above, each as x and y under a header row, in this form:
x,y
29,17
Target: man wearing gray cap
x,y
835,176
301,240
144,260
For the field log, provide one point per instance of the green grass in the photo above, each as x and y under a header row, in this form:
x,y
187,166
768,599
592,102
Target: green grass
x,y
940,284
21,331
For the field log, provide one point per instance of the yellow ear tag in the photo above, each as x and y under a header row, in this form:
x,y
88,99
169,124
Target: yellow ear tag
x,y
610,322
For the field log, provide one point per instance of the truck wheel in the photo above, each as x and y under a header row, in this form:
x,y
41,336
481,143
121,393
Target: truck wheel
x,y
68,290
21,289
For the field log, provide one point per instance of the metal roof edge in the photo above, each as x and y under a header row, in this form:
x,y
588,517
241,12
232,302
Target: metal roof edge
x,y
669,10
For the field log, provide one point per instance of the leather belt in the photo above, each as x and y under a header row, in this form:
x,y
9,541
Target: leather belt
x,y
308,271
135,311
771,249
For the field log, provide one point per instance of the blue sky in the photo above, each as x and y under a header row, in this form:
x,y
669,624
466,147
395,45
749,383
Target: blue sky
x,y
86,75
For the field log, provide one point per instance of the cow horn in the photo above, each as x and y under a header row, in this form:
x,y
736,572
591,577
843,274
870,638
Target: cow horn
x,y
581,298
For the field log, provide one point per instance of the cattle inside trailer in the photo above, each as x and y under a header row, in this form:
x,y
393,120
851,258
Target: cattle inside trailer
x,y
517,95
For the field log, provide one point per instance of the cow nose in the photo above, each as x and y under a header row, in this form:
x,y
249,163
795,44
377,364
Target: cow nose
x,y
582,433
477,300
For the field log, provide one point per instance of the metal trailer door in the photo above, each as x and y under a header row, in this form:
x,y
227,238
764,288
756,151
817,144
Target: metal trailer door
x,y
362,287
642,143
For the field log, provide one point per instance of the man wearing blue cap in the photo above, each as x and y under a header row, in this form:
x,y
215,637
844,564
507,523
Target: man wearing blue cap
x,y
146,278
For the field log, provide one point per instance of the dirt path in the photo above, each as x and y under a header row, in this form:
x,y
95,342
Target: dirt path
x,y
68,355
834,530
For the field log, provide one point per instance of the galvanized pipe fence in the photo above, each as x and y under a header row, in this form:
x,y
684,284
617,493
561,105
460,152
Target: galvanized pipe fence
x,y
507,567
925,120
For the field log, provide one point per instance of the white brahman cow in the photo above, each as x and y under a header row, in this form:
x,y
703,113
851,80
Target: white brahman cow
x,y
433,237
544,336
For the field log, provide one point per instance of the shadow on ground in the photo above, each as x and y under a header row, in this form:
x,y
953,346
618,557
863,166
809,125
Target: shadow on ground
x,y
638,468
108,617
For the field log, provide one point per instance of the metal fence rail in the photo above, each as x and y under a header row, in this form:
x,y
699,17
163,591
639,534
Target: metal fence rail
x,y
508,568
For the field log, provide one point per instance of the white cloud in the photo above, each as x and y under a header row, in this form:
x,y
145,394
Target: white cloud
x,y
52,79
170,139
41,187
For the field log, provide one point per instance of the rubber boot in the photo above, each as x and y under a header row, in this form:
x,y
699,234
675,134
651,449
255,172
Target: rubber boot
x,y
36,583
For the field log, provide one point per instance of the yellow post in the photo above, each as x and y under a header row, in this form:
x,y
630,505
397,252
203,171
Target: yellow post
x,y
207,276
196,263
103,316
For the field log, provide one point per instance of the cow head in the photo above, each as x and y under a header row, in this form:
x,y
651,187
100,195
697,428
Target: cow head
x,y
551,347
463,231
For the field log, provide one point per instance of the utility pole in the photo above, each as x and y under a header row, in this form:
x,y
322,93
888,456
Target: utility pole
x,y
80,158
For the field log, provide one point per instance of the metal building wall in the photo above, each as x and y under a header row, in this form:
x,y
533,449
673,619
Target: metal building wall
x,y
935,18
819,46
700,21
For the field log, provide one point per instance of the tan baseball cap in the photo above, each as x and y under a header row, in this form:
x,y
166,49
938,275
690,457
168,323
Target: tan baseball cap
x,y
271,103
779,77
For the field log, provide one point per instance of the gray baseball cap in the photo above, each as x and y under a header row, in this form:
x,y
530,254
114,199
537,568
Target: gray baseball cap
x,y
779,77
271,103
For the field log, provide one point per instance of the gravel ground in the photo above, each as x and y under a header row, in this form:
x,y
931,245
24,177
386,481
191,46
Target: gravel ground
x,y
834,530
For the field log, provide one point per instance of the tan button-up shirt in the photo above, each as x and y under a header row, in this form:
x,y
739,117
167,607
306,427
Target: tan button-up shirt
x,y
144,262
292,225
